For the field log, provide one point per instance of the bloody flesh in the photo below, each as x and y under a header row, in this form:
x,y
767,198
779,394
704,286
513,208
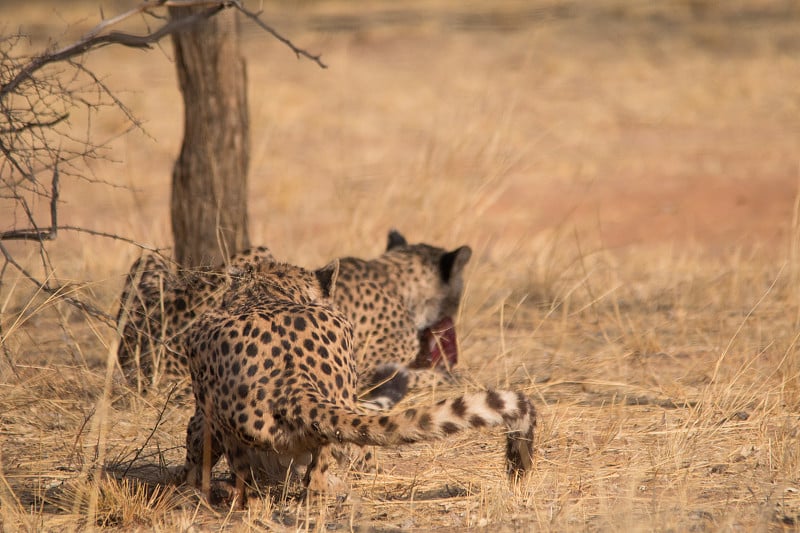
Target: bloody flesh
x,y
438,345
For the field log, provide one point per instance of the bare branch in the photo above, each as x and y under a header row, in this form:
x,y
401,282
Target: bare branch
x,y
54,204
27,234
57,291
31,125
255,17
96,39
36,235
9,157
93,39
120,105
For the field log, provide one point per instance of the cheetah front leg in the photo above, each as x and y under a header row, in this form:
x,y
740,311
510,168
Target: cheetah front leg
x,y
316,478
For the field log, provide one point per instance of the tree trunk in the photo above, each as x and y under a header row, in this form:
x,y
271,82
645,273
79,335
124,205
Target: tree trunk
x,y
209,179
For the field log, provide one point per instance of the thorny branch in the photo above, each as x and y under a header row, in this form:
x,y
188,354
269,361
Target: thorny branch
x,y
256,17
95,38
59,291
36,234
30,125
35,103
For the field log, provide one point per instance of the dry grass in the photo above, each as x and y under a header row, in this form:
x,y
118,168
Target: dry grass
x,y
627,176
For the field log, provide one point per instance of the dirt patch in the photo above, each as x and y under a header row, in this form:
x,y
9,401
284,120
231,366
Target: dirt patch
x,y
717,212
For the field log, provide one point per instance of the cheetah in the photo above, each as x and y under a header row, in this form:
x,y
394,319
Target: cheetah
x,y
273,372
158,305
401,304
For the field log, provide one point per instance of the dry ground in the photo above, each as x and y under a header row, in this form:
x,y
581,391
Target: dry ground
x,y
627,175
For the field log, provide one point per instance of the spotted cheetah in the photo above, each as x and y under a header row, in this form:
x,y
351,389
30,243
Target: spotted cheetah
x,y
159,303
274,376
401,304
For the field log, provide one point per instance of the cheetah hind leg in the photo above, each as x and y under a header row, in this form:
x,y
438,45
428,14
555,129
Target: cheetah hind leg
x,y
203,451
238,459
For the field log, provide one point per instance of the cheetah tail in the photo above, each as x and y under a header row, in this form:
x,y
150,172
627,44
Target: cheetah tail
x,y
482,409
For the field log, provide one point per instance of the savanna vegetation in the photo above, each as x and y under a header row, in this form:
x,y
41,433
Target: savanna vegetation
x,y
627,175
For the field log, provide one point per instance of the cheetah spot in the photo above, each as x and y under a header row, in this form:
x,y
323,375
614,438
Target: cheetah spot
x,y
494,401
424,422
449,428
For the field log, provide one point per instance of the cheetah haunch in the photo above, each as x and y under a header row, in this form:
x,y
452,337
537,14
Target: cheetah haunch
x,y
274,379
159,304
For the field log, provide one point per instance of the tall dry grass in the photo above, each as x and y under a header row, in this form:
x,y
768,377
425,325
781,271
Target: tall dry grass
x,y
627,176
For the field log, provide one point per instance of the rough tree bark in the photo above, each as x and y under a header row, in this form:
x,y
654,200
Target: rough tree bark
x,y
209,179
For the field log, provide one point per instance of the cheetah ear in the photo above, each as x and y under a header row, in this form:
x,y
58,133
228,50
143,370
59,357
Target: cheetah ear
x,y
235,271
395,240
452,263
327,276
236,275
240,269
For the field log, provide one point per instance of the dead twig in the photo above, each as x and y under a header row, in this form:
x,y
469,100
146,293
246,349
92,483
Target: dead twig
x,y
57,290
256,17
153,431
31,125
95,39
36,234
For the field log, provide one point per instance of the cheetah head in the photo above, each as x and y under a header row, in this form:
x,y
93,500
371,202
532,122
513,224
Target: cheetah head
x,y
282,281
437,283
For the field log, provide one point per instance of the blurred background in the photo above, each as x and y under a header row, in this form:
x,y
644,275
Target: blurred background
x,y
619,123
